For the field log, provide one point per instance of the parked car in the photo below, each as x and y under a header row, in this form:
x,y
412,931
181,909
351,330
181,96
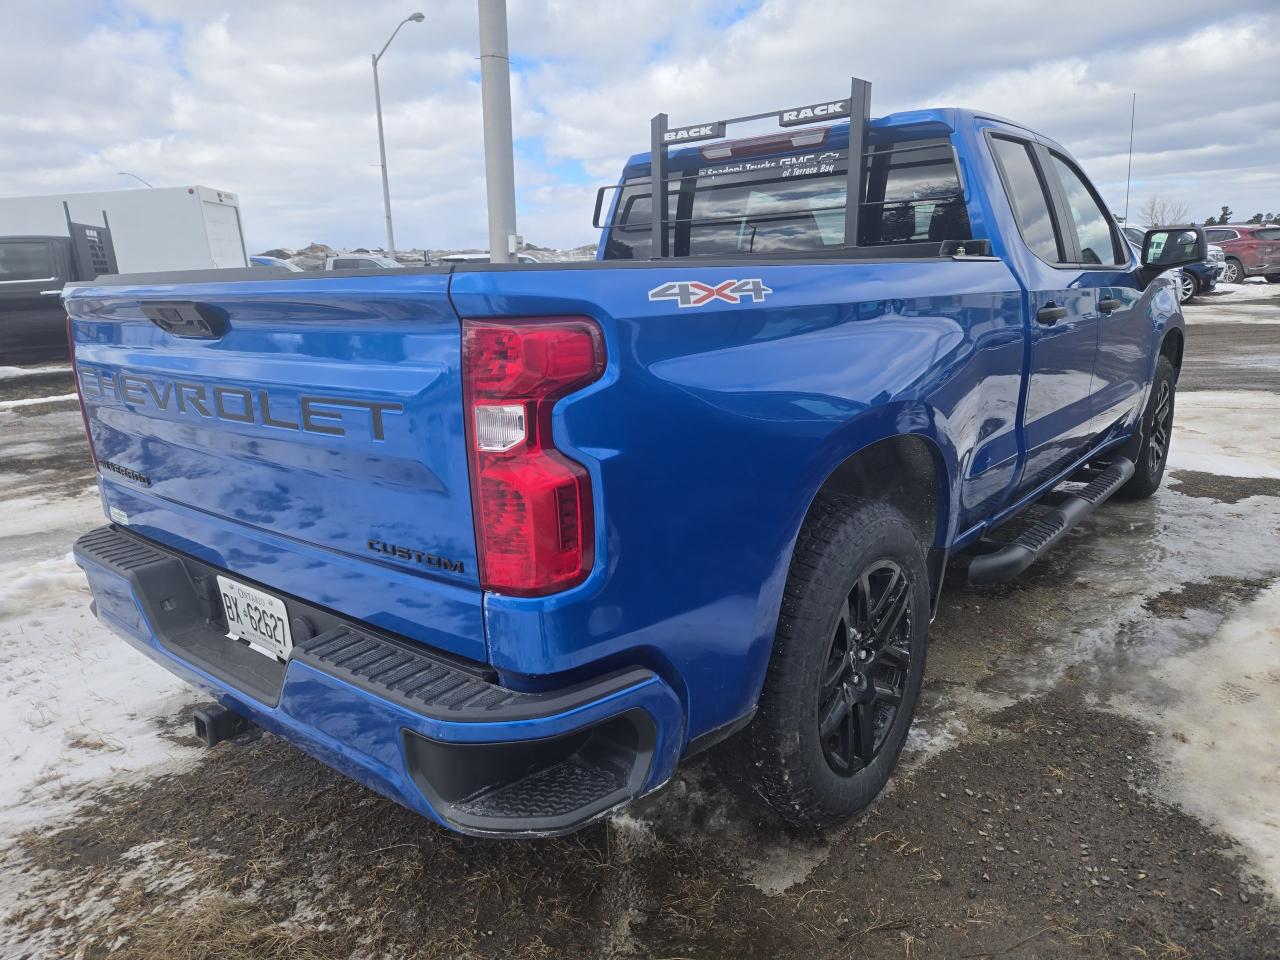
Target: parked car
x,y
507,545
361,261
1195,279
262,260
33,271
1251,250
1202,277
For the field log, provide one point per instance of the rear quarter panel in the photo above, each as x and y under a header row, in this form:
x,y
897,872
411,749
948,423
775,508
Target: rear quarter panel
x,y
714,427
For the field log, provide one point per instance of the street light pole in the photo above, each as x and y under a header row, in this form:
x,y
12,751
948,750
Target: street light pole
x,y
126,173
382,144
499,165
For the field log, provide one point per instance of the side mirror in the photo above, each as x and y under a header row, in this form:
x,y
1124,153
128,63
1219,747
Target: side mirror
x,y
1167,248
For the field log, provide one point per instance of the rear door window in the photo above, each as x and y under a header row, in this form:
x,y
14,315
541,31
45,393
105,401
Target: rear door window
x,y
913,195
1027,197
1271,234
25,260
1219,236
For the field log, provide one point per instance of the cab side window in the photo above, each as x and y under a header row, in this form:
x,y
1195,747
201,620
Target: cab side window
x,y
1092,225
25,260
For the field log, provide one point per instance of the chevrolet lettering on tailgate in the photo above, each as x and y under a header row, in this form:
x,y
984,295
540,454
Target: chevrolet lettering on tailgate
x,y
311,414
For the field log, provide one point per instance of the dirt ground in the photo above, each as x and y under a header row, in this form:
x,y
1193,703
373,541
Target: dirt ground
x,y
1093,772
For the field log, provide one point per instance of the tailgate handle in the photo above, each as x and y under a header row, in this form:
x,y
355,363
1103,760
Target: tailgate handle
x,y
186,318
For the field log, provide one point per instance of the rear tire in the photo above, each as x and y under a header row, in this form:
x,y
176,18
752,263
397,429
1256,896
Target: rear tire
x,y
1157,432
848,660
1234,272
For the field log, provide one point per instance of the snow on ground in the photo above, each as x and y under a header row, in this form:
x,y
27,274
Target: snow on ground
x,y
80,704
1233,433
1234,303
33,401
1217,711
12,373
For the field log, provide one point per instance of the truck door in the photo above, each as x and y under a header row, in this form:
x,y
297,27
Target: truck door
x,y
1063,325
1104,264
32,322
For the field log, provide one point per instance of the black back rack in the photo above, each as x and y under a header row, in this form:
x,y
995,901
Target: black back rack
x,y
663,137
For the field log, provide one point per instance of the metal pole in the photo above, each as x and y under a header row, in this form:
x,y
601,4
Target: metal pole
x,y
382,154
499,155
658,186
1133,110
855,189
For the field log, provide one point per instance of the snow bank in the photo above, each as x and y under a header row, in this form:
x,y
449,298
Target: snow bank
x,y
1232,433
80,703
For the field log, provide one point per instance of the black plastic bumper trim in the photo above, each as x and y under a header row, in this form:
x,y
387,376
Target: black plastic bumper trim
x,y
180,604
535,788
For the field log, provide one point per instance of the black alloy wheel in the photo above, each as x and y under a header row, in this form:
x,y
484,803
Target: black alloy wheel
x,y
1161,428
867,665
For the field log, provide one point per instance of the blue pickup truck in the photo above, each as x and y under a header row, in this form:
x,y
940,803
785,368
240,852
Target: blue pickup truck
x,y
507,542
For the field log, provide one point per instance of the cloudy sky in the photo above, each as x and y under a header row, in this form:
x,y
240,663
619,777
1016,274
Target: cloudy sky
x,y
274,101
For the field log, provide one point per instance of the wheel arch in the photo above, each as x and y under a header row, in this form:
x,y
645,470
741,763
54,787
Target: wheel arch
x,y
919,488
1171,347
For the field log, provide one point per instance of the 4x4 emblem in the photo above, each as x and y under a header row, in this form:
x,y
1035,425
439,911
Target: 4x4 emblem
x,y
692,293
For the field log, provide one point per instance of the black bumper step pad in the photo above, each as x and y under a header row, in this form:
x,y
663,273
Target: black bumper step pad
x,y
395,671
119,553
556,792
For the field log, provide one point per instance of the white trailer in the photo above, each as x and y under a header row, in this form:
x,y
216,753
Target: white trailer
x,y
166,228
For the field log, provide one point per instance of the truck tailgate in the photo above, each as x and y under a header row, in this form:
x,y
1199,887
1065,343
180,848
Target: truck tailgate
x,y
305,433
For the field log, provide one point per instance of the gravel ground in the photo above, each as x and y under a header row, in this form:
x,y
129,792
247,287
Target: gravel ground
x,y
1093,772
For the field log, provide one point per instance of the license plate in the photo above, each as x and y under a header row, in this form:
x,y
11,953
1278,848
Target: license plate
x,y
256,617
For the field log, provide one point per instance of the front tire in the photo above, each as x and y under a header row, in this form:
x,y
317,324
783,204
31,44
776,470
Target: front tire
x,y
847,664
1188,287
1157,431
1234,272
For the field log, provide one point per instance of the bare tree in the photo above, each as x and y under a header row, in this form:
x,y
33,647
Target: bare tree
x,y
1159,212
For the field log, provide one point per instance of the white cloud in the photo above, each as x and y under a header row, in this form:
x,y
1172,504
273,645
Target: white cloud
x,y
273,100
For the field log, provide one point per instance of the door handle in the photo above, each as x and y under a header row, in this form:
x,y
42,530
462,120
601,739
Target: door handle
x,y
1050,314
51,293
1110,303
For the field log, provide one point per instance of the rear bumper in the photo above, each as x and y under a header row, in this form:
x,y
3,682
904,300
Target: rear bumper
x,y
438,735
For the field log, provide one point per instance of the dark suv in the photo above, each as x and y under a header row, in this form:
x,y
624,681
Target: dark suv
x,y
1251,249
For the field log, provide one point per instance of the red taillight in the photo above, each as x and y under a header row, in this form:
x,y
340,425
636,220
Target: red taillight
x,y
75,375
534,519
